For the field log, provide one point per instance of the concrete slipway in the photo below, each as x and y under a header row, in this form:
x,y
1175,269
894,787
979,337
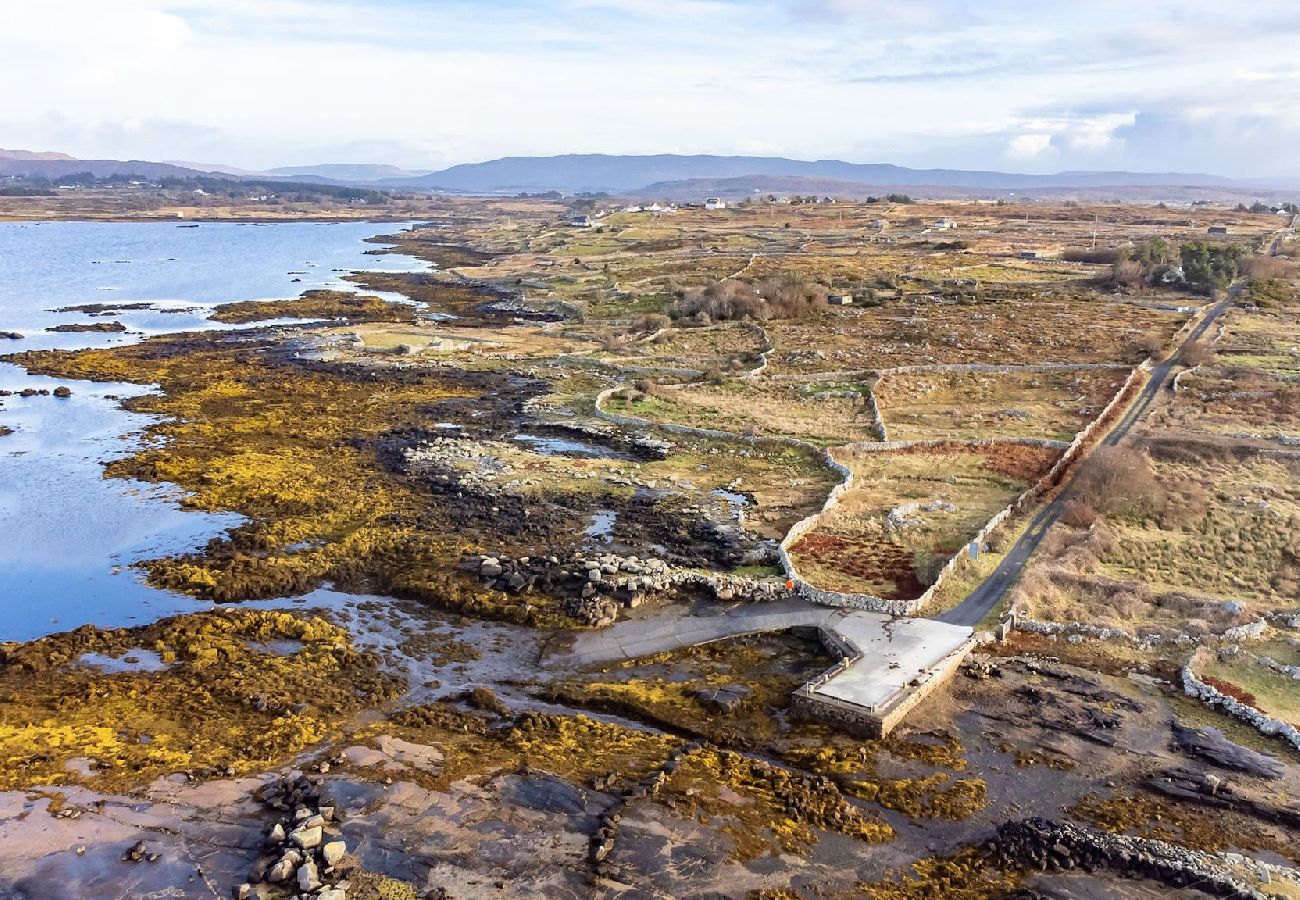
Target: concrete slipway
x,y
890,663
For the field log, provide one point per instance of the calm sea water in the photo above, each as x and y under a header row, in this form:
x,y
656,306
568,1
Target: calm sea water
x,y
68,535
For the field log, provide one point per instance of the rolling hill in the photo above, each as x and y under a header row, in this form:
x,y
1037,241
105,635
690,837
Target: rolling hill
x,y
600,172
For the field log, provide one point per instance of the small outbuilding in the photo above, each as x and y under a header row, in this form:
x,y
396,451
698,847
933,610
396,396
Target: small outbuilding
x,y
715,203
840,299
1218,229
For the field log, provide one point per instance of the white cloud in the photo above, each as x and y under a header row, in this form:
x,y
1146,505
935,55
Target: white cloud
x,y
1029,146
259,83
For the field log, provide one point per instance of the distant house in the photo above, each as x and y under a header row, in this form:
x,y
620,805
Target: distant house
x,y
840,299
715,203
1218,229
943,224
1029,254
581,221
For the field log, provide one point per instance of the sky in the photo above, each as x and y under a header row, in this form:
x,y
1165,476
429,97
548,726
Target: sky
x,y
1014,85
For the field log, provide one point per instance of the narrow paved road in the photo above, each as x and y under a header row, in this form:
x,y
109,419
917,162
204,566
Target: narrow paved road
x,y
984,598
1160,374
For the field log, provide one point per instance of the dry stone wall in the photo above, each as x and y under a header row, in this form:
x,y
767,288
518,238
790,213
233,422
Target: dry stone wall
x,y
1193,686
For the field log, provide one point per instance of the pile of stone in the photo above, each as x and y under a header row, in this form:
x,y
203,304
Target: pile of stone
x,y
442,459
302,850
901,517
1044,844
138,852
596,611
594,583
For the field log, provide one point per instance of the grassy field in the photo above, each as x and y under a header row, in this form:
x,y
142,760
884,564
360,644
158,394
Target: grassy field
x,y
1270,692
1207,540
1011,332
939,405
1268,340
750,408
909,512
1220,400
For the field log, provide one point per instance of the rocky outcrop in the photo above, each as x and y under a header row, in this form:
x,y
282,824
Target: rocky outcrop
x,y
1210,745
113,327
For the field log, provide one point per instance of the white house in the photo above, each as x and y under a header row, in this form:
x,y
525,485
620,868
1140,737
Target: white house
x,y
715,203
943,224
581,221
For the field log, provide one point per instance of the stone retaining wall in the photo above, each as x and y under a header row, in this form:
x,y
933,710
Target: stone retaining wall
x,y
990,368
1193,686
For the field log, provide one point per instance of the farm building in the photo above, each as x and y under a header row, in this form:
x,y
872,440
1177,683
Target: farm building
x,y
840,299
1218,229
715,203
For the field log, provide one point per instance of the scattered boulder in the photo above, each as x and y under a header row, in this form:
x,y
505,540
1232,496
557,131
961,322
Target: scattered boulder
x,y
332,852
726,699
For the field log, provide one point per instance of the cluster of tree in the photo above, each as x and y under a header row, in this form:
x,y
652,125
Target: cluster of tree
x,y
1261,207
785,296
1199,266
891,198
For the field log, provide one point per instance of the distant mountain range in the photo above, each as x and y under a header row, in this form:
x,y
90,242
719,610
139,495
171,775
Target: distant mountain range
x,y
60,165
29,154
616,174
340,172
673,177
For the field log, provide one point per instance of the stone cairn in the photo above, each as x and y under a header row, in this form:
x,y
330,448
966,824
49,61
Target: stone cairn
x,y
302,851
